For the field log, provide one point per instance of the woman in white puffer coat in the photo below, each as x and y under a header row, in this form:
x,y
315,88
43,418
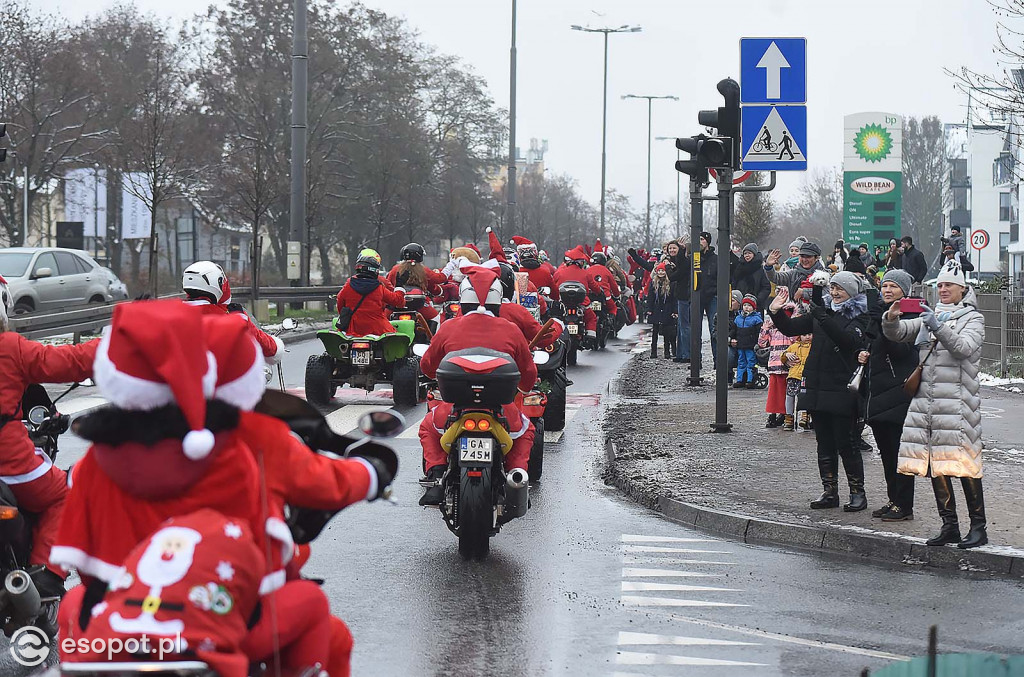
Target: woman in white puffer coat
x,y
942,434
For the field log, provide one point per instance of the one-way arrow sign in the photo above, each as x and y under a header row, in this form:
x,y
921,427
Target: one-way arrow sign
x,y
773,70
773,62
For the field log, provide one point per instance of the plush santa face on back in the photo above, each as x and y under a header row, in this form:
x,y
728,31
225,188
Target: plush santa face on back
x,y
168,556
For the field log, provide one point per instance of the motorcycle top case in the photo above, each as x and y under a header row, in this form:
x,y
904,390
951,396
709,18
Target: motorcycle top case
x,y
572,293
478,377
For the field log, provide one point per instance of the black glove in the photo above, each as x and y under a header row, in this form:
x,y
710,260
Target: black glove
x,y
817,311
236,308
818,295
632,252
384,478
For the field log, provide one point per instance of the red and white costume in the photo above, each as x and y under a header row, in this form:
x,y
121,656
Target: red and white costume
x,y
272,347
372,317
479,329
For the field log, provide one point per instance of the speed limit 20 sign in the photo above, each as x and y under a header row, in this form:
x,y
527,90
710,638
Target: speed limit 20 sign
x,y
979,239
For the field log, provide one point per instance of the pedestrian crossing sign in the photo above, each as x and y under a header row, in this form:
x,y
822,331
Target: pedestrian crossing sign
x,y
774,138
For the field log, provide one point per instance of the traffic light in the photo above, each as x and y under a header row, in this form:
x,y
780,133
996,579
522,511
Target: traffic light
x,y
704,152
727,121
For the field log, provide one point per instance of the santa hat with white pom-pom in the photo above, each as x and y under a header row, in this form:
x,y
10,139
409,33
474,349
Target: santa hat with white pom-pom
x,y
155,354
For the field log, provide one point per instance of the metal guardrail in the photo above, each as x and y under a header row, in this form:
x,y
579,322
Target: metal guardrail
x,y
94,317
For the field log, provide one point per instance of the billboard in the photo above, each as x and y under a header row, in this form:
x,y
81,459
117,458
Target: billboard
x,y
872,178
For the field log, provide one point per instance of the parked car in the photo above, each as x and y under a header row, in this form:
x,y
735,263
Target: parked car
x,y
51,279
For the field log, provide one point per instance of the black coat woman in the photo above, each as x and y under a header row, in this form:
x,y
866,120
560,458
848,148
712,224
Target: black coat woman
x,y
889,364
838,323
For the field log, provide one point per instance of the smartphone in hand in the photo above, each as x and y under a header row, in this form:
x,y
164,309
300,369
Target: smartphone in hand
x,y
911,306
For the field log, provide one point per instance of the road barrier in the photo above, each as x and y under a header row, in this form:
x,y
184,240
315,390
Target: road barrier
x,y
94,317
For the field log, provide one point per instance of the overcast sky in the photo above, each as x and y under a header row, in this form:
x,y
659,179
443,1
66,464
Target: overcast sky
x,y
863,55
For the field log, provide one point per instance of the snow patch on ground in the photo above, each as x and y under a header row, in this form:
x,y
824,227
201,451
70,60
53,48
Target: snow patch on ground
x,y
1010,385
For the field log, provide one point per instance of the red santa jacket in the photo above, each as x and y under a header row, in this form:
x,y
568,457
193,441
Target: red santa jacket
x,y
23,362
481,330
195,579
602,276
121,493
527,323
296,475
434,279
577,274
272,347
540,276
372,318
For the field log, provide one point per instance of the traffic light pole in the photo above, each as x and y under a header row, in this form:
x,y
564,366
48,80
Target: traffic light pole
x,y
696,311
721,424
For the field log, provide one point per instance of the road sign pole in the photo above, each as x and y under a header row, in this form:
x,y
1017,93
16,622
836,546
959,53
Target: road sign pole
x,y
721,424
696,226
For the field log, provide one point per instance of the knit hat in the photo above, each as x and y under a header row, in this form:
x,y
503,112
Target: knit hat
x,y
737,295
954,229
899,277
751,299
706,236
810,249
240,377
847,281
854,264
799,242
952,272
155,354
752,248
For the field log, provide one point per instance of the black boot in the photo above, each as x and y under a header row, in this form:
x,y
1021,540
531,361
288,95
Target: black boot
x,y
773,421
950,532
830,496
434,494
975,498
858,497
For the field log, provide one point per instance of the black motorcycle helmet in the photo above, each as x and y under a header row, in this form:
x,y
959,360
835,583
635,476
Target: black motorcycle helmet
x,y
413,252
508,280
368,267
599,259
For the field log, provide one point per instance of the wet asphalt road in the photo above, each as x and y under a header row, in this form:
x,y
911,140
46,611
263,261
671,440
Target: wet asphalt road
x,y
590,584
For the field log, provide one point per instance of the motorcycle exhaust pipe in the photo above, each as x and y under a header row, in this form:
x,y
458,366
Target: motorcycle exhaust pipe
x,y
23,595
517,493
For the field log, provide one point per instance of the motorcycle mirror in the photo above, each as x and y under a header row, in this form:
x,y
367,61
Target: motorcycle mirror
x,y
540,357
86,383
288,324
385,423
545,290
36,415
419,349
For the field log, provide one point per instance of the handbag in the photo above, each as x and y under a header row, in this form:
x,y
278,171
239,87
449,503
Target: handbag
x,y
913,382
855,380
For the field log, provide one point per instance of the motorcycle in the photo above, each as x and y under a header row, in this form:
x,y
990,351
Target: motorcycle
x,y
479,497
20,601
571,296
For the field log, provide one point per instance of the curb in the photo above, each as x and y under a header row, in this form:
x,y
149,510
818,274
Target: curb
x,y
754,530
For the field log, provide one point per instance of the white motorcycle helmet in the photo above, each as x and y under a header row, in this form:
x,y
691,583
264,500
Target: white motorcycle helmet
x,y
469,298
207,280
6,304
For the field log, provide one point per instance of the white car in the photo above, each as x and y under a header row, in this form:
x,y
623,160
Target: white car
x,y
50,279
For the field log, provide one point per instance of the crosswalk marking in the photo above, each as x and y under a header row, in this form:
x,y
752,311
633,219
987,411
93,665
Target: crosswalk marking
x,y
672,561
647,639
631,586
630,572
657,548
637,600
635,658
633,538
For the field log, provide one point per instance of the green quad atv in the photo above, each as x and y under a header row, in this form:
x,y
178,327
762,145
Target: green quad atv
x,y
365,361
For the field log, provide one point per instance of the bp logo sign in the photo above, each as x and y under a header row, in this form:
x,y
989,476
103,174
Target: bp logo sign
x,y
872,143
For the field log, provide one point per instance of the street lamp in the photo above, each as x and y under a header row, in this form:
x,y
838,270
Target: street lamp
x,y
604,119
679,187
510,191
647,225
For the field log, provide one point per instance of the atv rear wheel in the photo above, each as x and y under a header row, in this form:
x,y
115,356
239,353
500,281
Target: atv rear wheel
x,y
319,370
405,382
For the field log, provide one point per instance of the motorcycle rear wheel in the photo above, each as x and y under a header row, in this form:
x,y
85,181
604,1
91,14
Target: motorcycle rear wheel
x,y
536,464
476,514
570,355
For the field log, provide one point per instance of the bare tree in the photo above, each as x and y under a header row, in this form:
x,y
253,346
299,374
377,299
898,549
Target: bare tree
x,y
755,215
817,211
924,178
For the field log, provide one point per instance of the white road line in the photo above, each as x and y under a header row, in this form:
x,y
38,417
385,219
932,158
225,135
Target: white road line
x,y
344,420
629,572
412,432
553,436
634,538
636,600
647,639
831,646
658,548
671,561
634,658
632,586
81,404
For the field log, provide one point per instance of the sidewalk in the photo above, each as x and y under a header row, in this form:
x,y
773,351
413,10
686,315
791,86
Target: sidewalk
x,y
665,456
